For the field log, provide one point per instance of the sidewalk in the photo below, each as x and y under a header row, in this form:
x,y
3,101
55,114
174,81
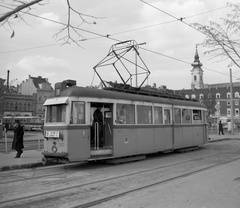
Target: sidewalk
x,y
33,158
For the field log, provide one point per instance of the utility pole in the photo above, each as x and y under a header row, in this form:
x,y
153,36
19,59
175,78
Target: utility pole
x,y
232,114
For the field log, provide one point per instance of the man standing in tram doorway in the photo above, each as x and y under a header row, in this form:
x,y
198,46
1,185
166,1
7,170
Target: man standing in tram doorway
x,y
17,143
220,128
98,118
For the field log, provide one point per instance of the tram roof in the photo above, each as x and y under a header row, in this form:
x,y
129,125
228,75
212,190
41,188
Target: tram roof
x,y
75,91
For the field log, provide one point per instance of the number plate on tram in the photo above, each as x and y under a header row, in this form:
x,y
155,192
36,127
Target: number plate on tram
x,y
52,134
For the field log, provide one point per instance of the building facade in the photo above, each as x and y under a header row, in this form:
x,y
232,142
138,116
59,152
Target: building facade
x,y
28,98
217,97
18,105
40,89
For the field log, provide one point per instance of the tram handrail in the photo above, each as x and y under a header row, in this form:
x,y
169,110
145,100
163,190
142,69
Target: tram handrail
x,y
96,136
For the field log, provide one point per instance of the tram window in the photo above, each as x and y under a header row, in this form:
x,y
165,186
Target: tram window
x,y
56,113
158,117
125,114
177,115
78,113
144,114
186,116
167,116
197,116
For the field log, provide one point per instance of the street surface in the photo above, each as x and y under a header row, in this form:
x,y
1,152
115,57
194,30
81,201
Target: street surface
x,y
169,180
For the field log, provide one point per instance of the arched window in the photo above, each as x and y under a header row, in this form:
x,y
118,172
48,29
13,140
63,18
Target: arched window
x,y
218,95
236,94
201,96
209,96
29,106
193,96
16,106
20,106
195,78
11,106
228,95
187,96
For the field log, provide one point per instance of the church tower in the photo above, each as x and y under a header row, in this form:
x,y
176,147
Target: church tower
x,y
197,73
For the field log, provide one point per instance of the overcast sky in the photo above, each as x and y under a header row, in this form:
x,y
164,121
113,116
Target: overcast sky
x,y
33,50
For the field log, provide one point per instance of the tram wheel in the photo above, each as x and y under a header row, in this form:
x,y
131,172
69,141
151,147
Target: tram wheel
x,y
45,161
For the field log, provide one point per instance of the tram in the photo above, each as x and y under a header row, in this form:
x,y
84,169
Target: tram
x,y
130,124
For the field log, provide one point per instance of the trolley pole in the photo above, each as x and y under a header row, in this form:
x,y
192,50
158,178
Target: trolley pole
x,y
232,114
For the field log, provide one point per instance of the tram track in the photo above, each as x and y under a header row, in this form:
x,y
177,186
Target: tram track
x,y
102,200
34,175
47,194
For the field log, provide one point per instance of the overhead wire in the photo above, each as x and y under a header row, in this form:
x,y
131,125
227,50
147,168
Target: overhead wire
x,y
102,36
109,35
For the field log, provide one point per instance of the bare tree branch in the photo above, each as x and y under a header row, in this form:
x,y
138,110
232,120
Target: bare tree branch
x,y
69,32
222,38
18,9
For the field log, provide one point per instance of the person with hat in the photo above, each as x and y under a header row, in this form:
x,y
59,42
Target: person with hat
x,y
17,143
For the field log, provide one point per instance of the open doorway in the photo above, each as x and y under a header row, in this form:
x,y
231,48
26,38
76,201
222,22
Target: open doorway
x,y
101,126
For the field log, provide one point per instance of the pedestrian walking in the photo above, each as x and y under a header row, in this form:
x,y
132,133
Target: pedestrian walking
x,y
17,143
220,128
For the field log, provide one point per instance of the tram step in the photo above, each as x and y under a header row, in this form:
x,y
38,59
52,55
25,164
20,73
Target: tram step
x,y
101,152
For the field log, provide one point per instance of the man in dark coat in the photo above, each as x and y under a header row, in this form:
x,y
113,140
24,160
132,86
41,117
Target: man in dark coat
x,y
220,128
98,118
17,143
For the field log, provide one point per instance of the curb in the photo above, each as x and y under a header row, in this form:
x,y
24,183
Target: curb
x,y
14,167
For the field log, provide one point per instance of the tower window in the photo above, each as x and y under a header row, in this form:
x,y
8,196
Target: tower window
x,y
195,78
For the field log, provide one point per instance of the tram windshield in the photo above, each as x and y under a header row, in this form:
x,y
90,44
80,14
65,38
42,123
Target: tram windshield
x,y
56,113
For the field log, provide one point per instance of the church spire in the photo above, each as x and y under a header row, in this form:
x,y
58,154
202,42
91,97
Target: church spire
x,y
196,59
197,72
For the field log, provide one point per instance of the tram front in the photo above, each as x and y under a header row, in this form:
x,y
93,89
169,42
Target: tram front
x,y
66,135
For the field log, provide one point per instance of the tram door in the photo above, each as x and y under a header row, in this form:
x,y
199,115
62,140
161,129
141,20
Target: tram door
x,y
102,125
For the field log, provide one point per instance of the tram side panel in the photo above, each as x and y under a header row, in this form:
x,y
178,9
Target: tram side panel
x,y
183,136
133,141
199,135
188,136
125,141
78,143
145,140
163,138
